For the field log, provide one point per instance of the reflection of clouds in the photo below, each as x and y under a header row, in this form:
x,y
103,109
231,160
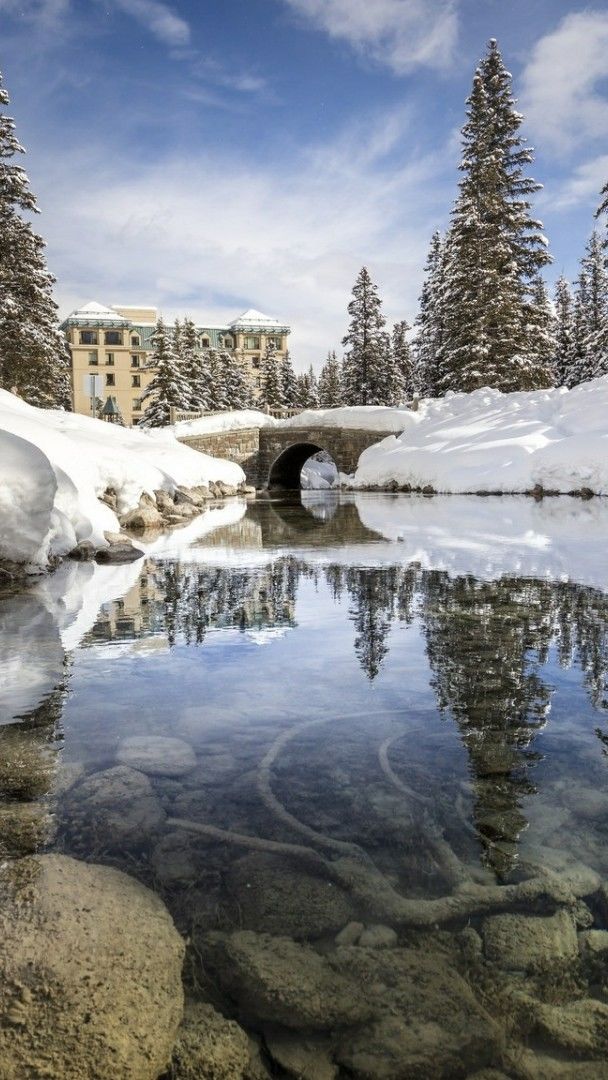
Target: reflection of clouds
x,y
32,657
265,637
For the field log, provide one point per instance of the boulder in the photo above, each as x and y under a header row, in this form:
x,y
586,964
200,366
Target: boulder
x,y
304,1057
119,553
378,937
527,942
429,1024
156,755
594,943
209,1047
350,934
83,552
580,1028
277,980
90,966
116,808
145,516
276,897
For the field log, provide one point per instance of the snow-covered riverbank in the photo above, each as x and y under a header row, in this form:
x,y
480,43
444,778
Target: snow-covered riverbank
x,y
55,466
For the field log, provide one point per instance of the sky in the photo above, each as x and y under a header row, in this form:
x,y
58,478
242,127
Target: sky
x,y
207,156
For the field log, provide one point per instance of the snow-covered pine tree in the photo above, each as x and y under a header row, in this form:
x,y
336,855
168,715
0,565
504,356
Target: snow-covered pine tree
x,y
168,387
289,382
603,207
367,373
34,357
307,393
495,248
402,362
217,392
271,390
235,379
194,367
579,368
594,311
541,328
430,323
330,383
564,332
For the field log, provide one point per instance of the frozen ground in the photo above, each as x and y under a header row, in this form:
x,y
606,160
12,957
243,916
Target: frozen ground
x,y
55,465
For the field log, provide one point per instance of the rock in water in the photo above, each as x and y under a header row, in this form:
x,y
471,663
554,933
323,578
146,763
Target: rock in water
x,y
90,983
209,1047
156,755
525,942
116,807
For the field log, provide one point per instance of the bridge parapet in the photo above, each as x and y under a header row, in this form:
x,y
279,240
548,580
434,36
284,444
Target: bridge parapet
x,y
241,446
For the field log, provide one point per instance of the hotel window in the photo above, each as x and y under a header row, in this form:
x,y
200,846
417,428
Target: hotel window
x,y
205,343
252,342
135,342
113,337
135,380
110,380
276,341
88,337
93,358
136,404
229,342
110,358
135,361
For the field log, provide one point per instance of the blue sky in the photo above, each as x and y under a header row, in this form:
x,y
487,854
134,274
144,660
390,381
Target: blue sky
x,y
208,157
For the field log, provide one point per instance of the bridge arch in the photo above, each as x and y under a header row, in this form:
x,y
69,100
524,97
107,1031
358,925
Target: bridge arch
x,y
286,468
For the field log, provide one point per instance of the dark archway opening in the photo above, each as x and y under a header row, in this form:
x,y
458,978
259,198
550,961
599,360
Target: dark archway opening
x,y
285,471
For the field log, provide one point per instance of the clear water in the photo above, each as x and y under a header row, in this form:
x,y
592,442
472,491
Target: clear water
x,y
356,679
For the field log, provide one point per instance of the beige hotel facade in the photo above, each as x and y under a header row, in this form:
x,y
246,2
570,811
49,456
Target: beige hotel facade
x,y
110,350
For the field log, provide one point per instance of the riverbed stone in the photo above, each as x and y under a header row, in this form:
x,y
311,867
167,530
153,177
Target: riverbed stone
x,y
156,755
119,553
430,1023
276,897
579,1028
303,1057
526,942
90,973
350,934
277,980
594,943
209,1047
145,516
114,808
378,937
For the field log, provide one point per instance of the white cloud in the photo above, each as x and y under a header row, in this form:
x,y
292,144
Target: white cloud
x,y
159,19
583,187
562,94
401,34
212,236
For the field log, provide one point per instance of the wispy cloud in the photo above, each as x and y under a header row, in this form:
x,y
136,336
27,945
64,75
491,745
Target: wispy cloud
x,y
582,187
159,19
211,236
563,84
401,34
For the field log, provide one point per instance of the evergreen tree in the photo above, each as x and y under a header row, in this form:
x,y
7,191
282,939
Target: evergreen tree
x,y
368,378
218,399
235,380
564,332
307,396
194,368
430,323
271,390
289,382
593,312
34,357
541,327
603,207
402,363
168,387
495,249
330,382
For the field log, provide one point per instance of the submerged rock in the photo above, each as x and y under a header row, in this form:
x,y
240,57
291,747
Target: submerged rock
x,y
277,898
378,937
276,980
156,755
305,1057
90,973
580,1028
209,1047
525,942
430,1024
116,808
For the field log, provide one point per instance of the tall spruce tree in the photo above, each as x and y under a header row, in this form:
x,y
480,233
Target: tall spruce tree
x,y
594,311
289,382
430,324
402,363
564,332
495,249
218,400
271,390
194,367
367,368
330,382
34,357
307,396
235,379
168,388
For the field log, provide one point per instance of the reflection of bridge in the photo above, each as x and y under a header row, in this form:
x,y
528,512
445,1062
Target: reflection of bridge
x,y
274,456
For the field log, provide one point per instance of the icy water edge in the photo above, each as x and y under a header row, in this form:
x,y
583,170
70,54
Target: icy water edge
x,y
384,710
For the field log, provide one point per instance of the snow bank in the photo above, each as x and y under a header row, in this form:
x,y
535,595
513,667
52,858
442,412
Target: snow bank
x,y
224,421
319,473
362,417
489,441
55,465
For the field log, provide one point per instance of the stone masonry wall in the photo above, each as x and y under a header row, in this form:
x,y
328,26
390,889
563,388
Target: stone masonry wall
x,y
241,446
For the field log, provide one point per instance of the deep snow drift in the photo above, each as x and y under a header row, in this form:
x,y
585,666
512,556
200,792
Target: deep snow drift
x,y
54,466
489,441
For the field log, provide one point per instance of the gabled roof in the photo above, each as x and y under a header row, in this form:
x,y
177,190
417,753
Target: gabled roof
x,y
255,318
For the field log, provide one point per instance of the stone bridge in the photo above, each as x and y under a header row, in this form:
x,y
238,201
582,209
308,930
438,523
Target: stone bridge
x,y
273,457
